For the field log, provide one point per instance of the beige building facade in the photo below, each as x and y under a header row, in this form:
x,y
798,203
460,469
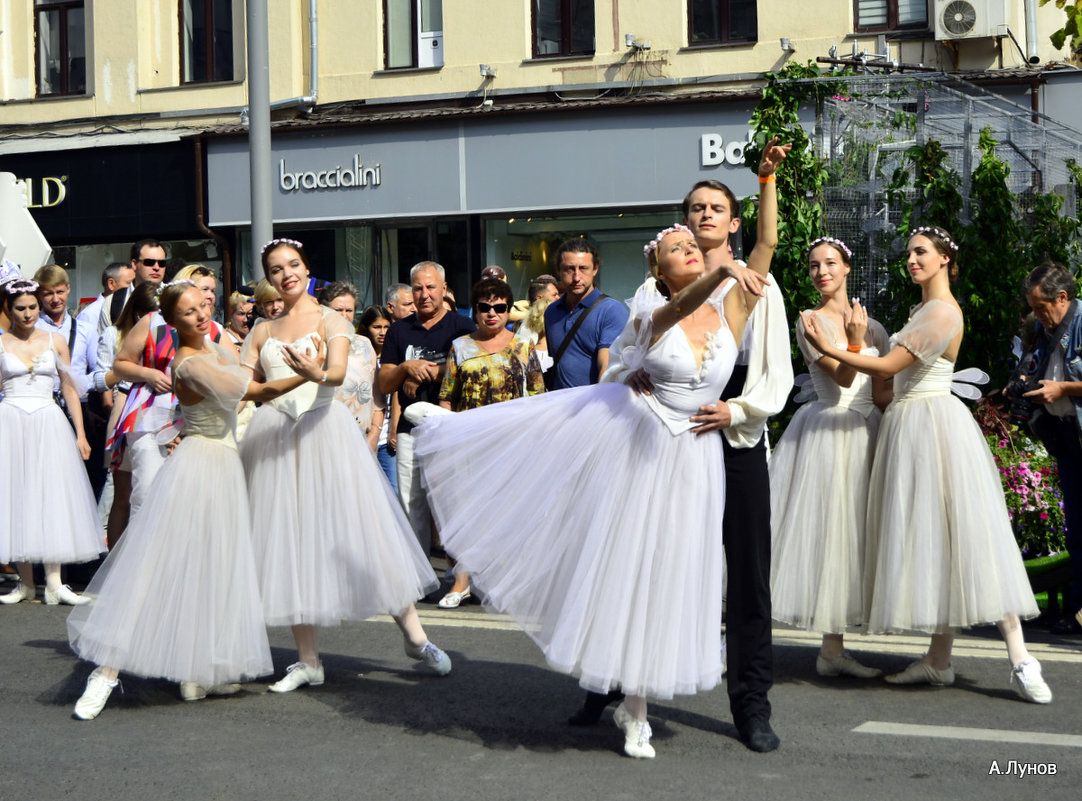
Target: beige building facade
x,y
477,130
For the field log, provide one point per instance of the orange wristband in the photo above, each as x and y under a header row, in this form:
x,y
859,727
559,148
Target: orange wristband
x,y
854,348
769,179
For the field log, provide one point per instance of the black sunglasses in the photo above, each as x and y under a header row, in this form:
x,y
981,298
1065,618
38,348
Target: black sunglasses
x,y
152,262
499,308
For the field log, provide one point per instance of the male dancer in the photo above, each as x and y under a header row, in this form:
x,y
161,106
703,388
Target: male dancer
x,y
758,388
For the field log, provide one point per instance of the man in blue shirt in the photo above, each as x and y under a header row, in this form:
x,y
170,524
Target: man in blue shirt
x,y
586,356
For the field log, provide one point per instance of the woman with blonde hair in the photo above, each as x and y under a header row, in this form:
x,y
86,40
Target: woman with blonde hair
x,y
268,301
238,314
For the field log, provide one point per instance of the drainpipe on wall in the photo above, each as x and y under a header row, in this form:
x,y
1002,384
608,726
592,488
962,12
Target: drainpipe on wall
x,y
309,100
1031,32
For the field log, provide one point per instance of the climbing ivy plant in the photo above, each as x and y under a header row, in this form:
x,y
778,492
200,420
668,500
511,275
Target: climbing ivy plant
x,y
800,180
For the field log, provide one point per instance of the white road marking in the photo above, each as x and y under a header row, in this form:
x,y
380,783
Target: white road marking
x,y
966,733
904,644
917,645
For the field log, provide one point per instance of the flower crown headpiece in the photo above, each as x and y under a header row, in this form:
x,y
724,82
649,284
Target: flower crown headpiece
x,y
830,240
651,246
21,286
162,287
924,229
293,243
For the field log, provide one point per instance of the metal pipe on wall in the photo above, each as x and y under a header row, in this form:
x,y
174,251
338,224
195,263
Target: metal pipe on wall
x,y
259,140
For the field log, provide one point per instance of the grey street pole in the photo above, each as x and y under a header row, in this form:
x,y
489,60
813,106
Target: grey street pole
x,y
259,140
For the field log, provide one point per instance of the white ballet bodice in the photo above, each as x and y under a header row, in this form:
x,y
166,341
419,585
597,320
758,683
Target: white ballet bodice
x,y
681,386
307,396
29,389
924,379
210,419
857,396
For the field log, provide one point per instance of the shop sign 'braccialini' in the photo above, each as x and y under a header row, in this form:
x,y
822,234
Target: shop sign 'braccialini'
x,y
354,176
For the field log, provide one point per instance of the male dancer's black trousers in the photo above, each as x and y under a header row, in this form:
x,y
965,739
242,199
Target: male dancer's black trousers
x,y
746,537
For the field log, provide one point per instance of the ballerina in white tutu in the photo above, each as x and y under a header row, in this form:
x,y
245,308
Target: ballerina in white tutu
x,y
817,573
621,585
940,552
178,597
47,509
331,540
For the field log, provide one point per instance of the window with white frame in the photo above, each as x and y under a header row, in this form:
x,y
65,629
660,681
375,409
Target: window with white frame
x,y
563,28
206,41
412,33
722,21
60,47
889,15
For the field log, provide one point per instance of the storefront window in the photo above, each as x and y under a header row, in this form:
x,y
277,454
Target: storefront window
x,y
524,246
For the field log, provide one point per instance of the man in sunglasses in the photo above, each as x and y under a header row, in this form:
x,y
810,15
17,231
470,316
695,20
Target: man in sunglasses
x,y
148,261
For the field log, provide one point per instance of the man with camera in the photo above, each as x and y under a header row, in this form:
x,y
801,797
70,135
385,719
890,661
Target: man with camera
x,y
1047,394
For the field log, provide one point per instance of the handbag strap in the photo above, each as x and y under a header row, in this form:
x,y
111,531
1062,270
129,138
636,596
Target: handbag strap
x,y
574,329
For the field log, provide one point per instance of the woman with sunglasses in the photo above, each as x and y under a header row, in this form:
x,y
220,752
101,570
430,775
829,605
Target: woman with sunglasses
x,y
488,366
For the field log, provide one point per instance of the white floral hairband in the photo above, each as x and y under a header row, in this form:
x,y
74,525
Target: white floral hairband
x,y
924,229
651,246
162,287
293,243
830,240
21,286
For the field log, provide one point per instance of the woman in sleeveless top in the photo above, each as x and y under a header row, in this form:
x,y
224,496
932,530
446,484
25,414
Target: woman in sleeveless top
x,y
817,567
47,509
178,597
331,540
940,553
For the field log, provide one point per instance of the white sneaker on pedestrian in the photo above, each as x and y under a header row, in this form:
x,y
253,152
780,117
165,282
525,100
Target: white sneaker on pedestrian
x,y
64,595
297,675
1027,681
637,734
433,657
92,701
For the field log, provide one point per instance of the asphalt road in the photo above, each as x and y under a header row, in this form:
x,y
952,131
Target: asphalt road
x,y
382,728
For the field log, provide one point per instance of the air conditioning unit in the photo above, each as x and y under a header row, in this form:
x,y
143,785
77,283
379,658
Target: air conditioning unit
x,y
970,19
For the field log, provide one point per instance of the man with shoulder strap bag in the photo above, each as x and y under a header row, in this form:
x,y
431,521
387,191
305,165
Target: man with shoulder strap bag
x,y
582,325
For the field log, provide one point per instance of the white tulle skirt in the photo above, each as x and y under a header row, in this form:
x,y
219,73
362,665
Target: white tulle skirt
x,y
818,495
598,530
178,598
941,553
47,509
332,542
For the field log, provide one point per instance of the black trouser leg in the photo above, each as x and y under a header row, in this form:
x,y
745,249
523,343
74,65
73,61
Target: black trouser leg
x,y
746,532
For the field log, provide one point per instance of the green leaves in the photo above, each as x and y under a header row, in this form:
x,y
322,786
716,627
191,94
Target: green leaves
x,y
1073,14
